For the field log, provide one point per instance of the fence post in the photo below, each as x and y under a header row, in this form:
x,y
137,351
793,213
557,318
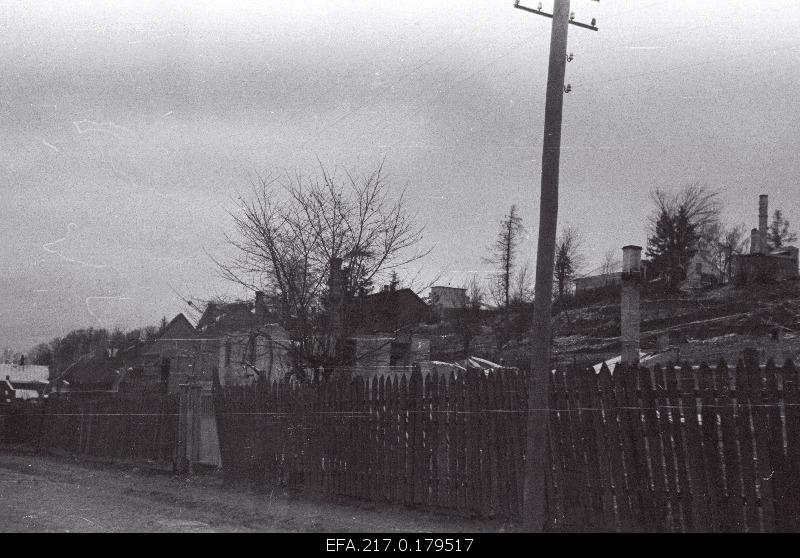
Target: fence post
x,y
220,404
189,427
40,444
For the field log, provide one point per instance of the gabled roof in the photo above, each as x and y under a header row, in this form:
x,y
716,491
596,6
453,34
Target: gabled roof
x,y
179,327
396,295
219,318
387,310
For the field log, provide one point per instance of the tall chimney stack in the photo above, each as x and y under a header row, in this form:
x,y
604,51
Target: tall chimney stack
x,y
763,215
629,303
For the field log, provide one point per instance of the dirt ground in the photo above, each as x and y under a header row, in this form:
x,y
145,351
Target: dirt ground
x,y
52,494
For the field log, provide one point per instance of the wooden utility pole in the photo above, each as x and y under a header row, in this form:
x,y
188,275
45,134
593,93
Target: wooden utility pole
x,y
538,382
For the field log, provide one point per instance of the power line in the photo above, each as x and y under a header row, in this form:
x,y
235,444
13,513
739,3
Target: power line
x,y
419,107
422,105
674,68
349,70
371,100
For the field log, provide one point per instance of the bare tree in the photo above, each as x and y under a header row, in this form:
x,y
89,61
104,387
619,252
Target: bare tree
x,y
289,231
475,293
723,245
611,263
467,321
504,254
569,260
523,287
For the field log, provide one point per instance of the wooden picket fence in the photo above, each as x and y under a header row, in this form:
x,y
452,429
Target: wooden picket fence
x,y
142,430
695,448
677,449
21,423
440,443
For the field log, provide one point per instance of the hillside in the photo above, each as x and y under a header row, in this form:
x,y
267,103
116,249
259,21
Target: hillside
x,y
705,325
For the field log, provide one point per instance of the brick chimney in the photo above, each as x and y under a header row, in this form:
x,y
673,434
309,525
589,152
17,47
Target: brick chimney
x,y
763,215
629,303
261,308
755,245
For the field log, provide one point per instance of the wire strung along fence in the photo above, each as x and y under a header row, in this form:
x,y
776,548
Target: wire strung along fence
x,y
113,428
691,448
684,449
438,442
21,423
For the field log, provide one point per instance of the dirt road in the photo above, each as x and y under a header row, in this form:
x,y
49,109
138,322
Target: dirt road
x,y
50,494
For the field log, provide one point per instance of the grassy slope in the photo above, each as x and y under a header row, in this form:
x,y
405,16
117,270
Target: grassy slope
x,y
707,325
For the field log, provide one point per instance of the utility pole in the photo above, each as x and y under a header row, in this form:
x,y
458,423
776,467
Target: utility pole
x,y
537,462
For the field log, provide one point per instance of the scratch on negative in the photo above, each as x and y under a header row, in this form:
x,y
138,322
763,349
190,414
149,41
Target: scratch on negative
x,y
47,247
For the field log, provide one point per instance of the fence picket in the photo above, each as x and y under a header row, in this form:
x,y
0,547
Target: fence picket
x,y
762,453
734,501
781,476
746,442
639,456
666,420
590,450
654,448
679,426
452,444
622,503
791,382
689,449
602,467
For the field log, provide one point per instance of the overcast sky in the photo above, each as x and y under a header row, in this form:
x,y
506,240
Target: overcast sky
x,y
127,126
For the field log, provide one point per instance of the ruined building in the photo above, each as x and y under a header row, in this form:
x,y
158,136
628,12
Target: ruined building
x,y
763,264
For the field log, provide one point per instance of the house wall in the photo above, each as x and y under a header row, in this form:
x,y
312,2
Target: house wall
x,y
271,356
448,297
584,285
700,270
188,359
381,354
373,354
748,268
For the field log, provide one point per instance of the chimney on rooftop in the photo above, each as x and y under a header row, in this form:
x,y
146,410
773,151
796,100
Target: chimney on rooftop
x,y
629,303
763,215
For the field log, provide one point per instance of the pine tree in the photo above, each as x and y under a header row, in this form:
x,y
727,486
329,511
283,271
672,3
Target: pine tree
x,y
504,252
681,221
672,246
778,233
